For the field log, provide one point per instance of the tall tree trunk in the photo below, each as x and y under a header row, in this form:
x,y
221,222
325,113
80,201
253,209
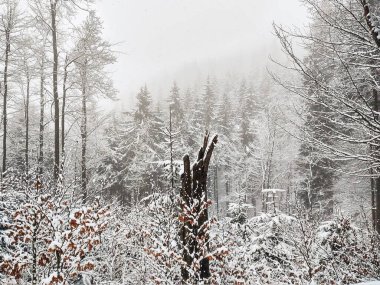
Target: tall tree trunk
x,y
84,133
27,99
42,118
53,11
171,149
186,199
216,189
5,97
375,181
377,172
64,89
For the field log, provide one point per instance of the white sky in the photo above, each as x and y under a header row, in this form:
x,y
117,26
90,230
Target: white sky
x,y
159,39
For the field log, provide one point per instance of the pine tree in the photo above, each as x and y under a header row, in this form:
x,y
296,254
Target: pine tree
x,y
248,110
132,169
208,104
144,101
176,106
315,165
224,116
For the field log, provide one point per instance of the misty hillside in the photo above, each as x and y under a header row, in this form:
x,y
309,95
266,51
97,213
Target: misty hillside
x,y
189,142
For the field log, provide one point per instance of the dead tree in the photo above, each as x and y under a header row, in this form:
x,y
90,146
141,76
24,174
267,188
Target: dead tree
x,y
194,205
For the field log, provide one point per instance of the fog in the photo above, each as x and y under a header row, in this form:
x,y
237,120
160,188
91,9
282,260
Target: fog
x,y
159,41
229,176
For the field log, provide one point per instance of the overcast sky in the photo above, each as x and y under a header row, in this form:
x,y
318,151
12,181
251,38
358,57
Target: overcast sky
x,y
160,39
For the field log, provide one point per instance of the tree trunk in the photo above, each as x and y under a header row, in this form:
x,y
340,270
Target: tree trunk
x,y
368,17
53,11
64,89
377,172
5,98
34,251
216,194
171,149
42,117
186,198
373,197
375,181
27,99
194,232
84,133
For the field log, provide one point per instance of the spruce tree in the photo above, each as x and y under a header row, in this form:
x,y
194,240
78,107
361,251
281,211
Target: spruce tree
x,y
176,105
144,102
207,105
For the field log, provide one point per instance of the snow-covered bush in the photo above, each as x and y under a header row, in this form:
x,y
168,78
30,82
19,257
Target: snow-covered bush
x,y
50,239
259,251
238,208
281,249
346,253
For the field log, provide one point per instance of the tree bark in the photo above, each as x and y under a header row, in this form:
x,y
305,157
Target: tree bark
x,y
216,194
27,99
375,181
186,195
171,149
368,17
64,89
53,7
5,97
373,196
42,118
34,250
84,132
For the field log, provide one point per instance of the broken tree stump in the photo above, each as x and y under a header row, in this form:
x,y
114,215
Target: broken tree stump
x,y
194,208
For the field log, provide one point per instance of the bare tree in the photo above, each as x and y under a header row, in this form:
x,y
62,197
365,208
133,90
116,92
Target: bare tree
x,y
9,21
42,75
93,55
49,12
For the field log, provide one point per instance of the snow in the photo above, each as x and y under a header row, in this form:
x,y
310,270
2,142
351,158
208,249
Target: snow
x,y
369,283
136,161
272,190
